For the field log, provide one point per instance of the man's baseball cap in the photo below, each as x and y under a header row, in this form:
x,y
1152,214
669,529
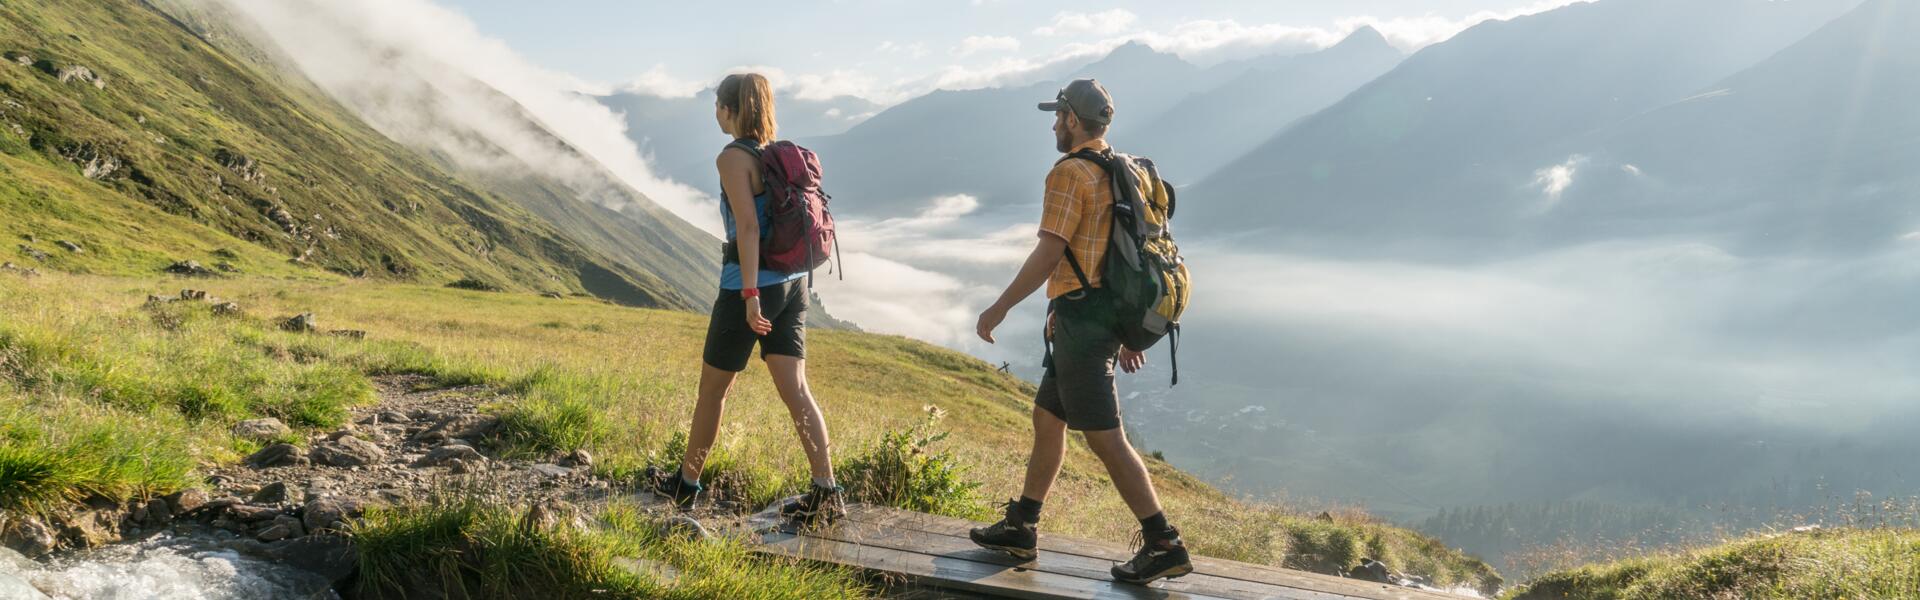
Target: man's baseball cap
x,y
1088,100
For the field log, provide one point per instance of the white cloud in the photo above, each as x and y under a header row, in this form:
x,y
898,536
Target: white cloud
x,y
1106,22
1209,40
929,275
425,76
975,44
658,82
916,50
1553,181
1413,33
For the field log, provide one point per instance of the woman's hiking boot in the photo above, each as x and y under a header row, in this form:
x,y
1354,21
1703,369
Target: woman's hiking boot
x,y
819,506
673,486
1017,535
1161,556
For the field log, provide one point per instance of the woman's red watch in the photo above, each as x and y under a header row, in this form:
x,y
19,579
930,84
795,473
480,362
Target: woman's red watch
x,y
749,293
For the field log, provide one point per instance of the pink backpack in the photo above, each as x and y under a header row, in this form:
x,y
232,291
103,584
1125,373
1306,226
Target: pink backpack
x,y
799,236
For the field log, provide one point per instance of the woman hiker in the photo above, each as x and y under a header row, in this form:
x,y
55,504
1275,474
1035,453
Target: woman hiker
x,y
771,311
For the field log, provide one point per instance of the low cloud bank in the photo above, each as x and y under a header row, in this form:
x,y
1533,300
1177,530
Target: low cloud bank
x,y
425,76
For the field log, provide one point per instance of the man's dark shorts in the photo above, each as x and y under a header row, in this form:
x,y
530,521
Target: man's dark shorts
x,y
1078,384
730,342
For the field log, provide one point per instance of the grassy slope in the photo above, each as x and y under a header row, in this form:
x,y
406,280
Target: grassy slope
x,y
1844,563
175,114
618,380
642,234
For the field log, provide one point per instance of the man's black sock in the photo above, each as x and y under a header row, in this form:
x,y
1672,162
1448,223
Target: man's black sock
x,y
1029,508
1156,527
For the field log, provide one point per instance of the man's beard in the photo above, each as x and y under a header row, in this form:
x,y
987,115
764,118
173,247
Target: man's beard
x,y
1061,141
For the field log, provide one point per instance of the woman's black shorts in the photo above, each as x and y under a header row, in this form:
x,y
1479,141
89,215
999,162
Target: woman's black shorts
x,y
730,342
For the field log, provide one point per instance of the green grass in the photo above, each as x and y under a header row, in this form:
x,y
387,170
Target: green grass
x,y
904,470
59,451
620,382
1838,563
487,551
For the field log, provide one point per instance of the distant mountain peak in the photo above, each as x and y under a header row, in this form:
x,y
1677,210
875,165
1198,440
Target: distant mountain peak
x,y
1366,35
1133,56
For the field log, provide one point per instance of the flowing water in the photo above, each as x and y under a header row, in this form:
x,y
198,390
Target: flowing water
x,y
165,568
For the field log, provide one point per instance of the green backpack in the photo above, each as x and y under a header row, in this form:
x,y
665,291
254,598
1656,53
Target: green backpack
x,y
1143,268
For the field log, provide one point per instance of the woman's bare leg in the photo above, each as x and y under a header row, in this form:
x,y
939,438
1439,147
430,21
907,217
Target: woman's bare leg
x,y
714,384
790,378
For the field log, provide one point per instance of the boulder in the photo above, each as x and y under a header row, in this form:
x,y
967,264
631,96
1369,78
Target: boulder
x,y
192,295
553,295
443,455
277,455
186,501
247,513
34,253
1371,570
261,430
328,513
272,493
352,334
82,74
347,451
19,270
275,532
300,323
159,512
30,536
225,309
70,247
189,268
90,529
578,458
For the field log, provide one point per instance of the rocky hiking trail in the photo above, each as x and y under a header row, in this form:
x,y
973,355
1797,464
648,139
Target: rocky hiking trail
x,y
287,503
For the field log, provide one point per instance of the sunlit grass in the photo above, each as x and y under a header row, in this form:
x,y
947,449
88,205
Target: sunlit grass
x,y
469,549
1839,563
619,382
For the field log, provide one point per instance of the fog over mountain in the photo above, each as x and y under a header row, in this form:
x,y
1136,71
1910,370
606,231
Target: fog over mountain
x,y
1445,147
1212,127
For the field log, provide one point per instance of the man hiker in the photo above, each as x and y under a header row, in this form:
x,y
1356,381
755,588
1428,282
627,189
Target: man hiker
x,y
1077,391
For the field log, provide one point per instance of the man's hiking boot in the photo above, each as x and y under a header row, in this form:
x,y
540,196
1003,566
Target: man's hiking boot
x,y
1163,558
672,486
1015,535
820,505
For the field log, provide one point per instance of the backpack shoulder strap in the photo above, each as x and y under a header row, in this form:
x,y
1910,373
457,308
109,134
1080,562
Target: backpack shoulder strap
x,y
1104,160
750,147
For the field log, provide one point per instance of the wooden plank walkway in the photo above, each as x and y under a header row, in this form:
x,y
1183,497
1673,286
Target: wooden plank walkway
x,y
934,552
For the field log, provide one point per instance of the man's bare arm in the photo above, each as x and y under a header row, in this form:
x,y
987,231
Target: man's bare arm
x,y
1040,265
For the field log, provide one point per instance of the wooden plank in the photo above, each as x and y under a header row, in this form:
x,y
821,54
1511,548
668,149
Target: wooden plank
x,y
888,517
910,540
959,573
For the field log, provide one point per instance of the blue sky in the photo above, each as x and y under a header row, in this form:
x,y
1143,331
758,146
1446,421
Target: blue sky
x,y
886,49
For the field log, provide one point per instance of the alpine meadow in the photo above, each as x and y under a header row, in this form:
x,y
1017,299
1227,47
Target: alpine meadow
x,y
386,299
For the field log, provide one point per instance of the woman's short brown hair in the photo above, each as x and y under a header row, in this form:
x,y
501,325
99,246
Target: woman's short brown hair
x,y
750,98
